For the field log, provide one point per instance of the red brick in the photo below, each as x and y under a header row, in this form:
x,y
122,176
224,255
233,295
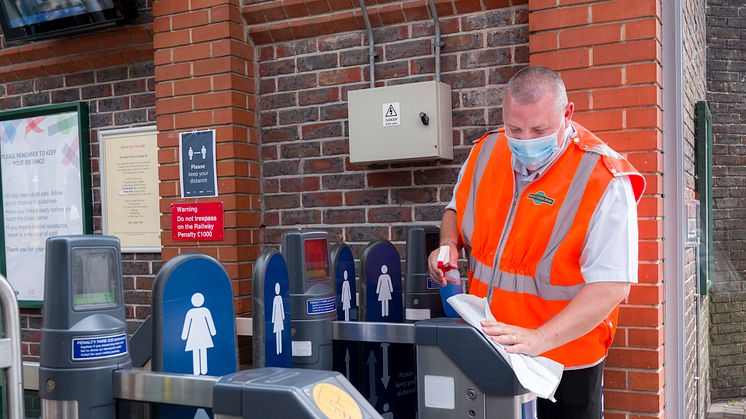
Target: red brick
x,y
648,381
173,72
641,316
543,41
623,9
174,105
644,73
642,29
563,60
627,97
190,20
541,4
559,18
193,120
615,379
635,358
644,118
171,39
592,78
342,76
633,402
629,52
590,35
191,53
647,337
600,120
385,179
650,229
628,140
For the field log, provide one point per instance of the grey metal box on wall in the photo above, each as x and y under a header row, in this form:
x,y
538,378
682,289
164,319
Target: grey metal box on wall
x,y
399,123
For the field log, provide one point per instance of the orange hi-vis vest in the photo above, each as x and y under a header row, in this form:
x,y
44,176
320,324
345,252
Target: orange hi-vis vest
x,y
537,238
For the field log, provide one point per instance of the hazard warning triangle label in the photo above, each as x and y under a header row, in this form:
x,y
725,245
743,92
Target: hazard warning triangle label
x,y
391,114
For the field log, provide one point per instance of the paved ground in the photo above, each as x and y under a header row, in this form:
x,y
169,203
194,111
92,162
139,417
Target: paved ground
x,y
729,409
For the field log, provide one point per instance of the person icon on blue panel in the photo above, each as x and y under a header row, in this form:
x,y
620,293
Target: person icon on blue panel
x,y
278,318
384,290
198,331
346,297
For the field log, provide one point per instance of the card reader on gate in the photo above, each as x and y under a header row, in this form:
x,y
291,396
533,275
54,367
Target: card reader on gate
x,y
289,393
84,335
312,297
460,374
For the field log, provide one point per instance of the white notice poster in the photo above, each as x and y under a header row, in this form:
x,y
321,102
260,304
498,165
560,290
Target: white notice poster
x,y
41,181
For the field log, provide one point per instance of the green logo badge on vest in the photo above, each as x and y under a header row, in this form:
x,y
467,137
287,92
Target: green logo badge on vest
x,y
541,198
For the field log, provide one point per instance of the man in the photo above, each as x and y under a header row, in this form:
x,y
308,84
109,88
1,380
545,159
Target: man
x,y
548,215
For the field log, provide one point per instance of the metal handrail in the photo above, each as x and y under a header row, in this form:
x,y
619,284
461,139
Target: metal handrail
x,y
357,331
10,349
163,387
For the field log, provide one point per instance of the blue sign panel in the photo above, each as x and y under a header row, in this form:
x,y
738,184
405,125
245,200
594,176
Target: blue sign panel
x,y
390,369
382,268
194,330
321,305
346,354
197,161
277,336
432,285
100,347
344,275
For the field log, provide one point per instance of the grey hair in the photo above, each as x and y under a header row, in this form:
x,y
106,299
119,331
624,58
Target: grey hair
x,y
531,84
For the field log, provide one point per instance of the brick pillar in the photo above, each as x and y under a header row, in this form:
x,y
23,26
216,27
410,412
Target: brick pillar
x,y
609,54
204,73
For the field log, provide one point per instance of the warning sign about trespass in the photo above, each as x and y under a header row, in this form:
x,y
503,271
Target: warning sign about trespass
x,y
391,114
99,347
197,221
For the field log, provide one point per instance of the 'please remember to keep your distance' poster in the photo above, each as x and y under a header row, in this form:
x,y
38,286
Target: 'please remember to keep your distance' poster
x,y
41,196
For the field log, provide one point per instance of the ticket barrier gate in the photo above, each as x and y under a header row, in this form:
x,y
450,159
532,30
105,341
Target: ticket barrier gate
x,y
85,366
459,373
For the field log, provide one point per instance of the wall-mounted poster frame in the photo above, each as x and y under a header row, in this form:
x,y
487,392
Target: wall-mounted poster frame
x,y
129,188
45,189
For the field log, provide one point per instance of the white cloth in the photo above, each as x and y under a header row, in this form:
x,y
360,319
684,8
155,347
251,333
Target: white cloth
x,y
610,252
535,373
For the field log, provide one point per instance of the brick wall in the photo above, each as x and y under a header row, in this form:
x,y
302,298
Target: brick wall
x,y
609,54
308,181
725,68
695,87
204,74
119,94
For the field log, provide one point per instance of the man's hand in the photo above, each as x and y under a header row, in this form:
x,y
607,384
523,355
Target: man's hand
x,y
586,310
432,265
517,340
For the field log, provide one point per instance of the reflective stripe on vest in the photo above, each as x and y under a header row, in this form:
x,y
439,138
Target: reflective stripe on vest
x,y
467,226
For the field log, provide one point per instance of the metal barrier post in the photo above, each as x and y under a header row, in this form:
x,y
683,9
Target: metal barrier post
x,y
10,350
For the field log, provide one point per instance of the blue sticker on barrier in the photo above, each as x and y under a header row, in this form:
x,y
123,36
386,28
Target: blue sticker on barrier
x,y
277,336
321,305
432,285
99,347
383,295
344,275
390,374
197,323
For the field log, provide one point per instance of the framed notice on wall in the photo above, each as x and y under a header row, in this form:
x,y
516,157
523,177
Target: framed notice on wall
x,y
45,179
129,188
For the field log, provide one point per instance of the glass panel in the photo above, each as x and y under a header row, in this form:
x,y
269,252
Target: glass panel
x,y
95,284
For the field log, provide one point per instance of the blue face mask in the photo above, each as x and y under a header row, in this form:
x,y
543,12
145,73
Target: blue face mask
x,y
535,152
